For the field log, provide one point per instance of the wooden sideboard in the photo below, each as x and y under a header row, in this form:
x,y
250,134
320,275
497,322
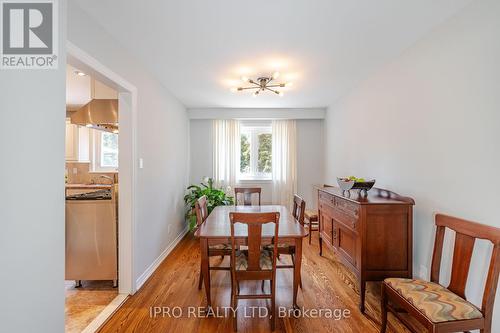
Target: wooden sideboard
x,y
372,235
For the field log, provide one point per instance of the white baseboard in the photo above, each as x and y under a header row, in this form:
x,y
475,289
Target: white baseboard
x,y
152,268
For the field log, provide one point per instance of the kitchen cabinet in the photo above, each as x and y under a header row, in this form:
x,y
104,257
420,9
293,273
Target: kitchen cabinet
x,y
71,142
77,143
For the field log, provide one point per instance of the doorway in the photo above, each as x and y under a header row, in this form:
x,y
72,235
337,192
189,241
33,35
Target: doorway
x,y
126,96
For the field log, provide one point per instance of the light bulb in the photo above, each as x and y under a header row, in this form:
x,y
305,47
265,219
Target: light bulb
x,y
234,89
288,84
88,125
115,131
245,79
255,93
280,94
276,75
80,73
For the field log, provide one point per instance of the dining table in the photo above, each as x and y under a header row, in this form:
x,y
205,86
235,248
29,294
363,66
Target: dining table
x,y
217,230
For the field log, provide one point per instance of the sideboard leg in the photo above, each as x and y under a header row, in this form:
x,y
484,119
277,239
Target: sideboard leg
x,y
362,289
320,246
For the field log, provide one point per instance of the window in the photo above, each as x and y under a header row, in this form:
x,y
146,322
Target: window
x,y
256,152
109,150
104,152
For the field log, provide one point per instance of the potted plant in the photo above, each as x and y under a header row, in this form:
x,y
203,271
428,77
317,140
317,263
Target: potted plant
x,y
215,197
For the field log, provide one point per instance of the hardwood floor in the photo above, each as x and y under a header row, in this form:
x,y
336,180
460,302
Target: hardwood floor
x,y
85,303
326,285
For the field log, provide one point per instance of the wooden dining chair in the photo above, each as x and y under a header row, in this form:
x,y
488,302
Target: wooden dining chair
x,y
247,194
311,219
298,211
256,262
442,309
214,250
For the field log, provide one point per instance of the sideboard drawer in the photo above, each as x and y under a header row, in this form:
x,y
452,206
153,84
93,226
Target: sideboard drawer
x,y
327,208
326,197
347,207
346,219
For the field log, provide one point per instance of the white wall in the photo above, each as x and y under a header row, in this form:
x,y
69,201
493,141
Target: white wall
x,y
428,125
32,129
162,142
309,157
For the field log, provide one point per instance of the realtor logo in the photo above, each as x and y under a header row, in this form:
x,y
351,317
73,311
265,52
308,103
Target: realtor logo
x,y
29,34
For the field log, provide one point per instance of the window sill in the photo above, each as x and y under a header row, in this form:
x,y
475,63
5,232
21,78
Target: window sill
x,y
255,181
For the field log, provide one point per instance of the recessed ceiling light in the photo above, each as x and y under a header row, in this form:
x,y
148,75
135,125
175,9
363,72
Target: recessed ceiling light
x,y
80,73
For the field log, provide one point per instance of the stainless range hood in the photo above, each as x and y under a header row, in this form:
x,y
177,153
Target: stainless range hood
x,y
100,114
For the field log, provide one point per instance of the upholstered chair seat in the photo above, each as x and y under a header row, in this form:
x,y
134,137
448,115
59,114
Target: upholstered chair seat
x,y
219,247
311,215
433,300
265,261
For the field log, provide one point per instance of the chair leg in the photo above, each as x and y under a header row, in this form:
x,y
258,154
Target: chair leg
x,y
293,263
222,257
310,233
200,279
383,308
273,304
262,285
234,305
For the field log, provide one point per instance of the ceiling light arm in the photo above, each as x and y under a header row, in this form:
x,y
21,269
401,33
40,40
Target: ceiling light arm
x,y
277,85
246,88
274,91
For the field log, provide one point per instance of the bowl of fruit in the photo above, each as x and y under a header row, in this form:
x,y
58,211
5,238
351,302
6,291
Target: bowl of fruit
x,y
354,183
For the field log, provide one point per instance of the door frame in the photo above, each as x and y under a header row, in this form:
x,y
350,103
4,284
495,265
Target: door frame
x,y
127,115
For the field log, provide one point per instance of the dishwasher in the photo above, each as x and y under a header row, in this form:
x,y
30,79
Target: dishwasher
x,y
91,236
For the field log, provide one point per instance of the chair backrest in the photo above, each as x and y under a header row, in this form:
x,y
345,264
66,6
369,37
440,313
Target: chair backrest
x,y
247,194
299,207
254,222
466,234
201,210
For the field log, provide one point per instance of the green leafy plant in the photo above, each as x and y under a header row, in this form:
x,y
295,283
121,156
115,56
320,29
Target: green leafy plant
x,y
215,197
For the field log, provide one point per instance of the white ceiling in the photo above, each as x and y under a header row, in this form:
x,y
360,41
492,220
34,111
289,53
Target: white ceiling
x,y
199,48
77,89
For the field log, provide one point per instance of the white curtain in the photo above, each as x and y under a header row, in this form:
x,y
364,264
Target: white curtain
x,y
226,142
284,161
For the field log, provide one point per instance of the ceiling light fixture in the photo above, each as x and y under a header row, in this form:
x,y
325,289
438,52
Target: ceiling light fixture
x,y
80,73
263,83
